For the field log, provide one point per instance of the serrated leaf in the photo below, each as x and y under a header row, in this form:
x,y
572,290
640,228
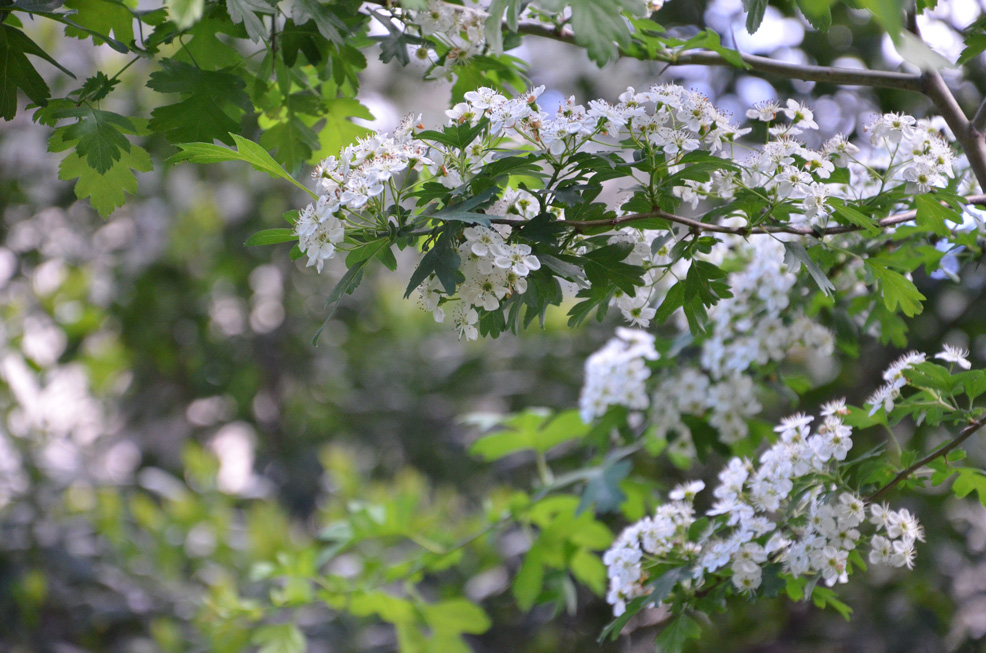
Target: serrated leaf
x,y
970,480
185,13
797,255
853,216
339,130
271,237
95,18
897,289
441,260
247,151
931,215
329,25
98,135
212,106
754,14
292,141
17,72
95,88
599,26
245,11
975,44
462,211
818,13
106,191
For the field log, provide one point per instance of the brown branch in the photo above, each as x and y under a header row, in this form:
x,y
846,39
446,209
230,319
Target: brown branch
x,y
944,450
764,65
965,132
698,225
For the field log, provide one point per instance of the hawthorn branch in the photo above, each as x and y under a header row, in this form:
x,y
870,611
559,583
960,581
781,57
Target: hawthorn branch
x,y
698,225
763,65
943,450
966,133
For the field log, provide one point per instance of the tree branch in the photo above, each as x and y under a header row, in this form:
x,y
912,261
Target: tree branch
x,y
944,450
698,225
764,65
966,134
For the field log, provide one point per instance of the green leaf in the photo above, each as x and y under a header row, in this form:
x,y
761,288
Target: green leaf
x,y
292,141
17,72
248,151
389,608
797,252
245,11
271,237
529,580
931,215
603,489
531,430
589,570
890,15
96,18
455,616
754,14
329,25
98,134
975,44
604,267
441,260
615,627
349,282
462,212
710,40
106,191
677,633
897,289
599,26
818,13
672,302
212,106
853,216
95,88
280,638
339,130
970,480
185,13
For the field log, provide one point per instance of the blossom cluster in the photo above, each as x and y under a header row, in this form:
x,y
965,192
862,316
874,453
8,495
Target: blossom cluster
x,y
492,268
887,394
616,374
754,327
782,510
459,30
347,184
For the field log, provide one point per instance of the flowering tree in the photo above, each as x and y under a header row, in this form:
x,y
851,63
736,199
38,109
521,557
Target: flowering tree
x,y
740,253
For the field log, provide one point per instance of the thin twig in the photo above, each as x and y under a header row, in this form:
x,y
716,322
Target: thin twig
x,y
944,450
765,65
698,225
